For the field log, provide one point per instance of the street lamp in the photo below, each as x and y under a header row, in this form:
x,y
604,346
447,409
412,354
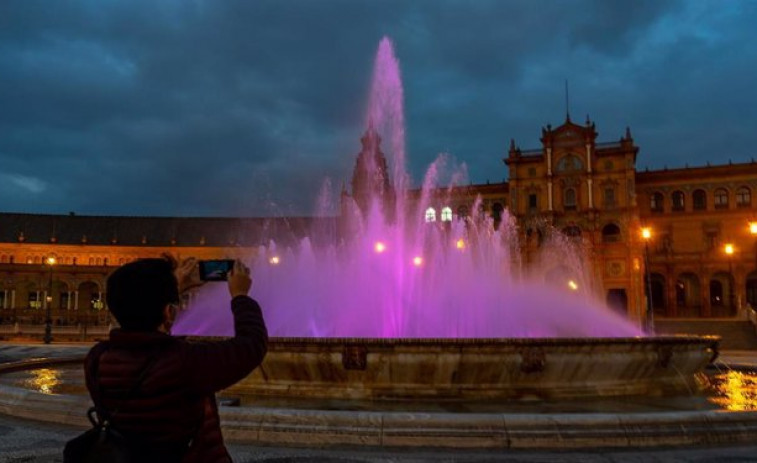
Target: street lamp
x,y
729,250
646,235
50,262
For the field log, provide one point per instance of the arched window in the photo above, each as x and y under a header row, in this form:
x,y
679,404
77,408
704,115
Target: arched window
x,y
721,198
462,212
656,202
679,200
447,214
716,292
699,200
430,215
533,202
610,233
743,197
569,199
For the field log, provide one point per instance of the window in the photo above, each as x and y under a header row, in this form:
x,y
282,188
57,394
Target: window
x,y
430,215
64,300
699,200
34,300
497,209
533,202
679,202
610,233
716,293
609,197
656,202
570,199
743,197
721,198
462,212
569,163
447,214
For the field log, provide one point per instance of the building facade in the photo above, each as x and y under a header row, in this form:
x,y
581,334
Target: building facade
x,y
699,258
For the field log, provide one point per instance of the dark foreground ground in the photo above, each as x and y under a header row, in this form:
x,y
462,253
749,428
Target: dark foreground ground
x,y
33,442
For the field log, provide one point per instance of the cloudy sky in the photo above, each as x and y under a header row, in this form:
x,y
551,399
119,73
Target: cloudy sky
x,y
226,108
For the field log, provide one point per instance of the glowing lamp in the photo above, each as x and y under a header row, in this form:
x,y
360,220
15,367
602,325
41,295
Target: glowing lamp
x,y
646,233
728,249
572,285
460,244
753,228
274,260
417,261
379,247
50,260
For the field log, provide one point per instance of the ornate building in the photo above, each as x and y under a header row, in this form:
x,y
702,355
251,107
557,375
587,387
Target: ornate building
x,y
701,247
592,193
58,264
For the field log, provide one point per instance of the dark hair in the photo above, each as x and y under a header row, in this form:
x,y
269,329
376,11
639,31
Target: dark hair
x,y
138,292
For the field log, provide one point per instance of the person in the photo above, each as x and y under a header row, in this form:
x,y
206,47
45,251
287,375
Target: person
x,y
157,389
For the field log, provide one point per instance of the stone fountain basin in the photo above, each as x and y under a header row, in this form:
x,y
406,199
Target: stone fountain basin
x,y
538,368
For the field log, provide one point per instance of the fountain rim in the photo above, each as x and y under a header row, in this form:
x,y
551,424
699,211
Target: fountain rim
x,y
561,341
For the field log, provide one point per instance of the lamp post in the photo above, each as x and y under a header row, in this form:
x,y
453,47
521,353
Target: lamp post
x,y
50,262
729,250
646,235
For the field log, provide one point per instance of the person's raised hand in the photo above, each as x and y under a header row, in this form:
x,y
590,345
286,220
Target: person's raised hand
x,y
188,275
239,280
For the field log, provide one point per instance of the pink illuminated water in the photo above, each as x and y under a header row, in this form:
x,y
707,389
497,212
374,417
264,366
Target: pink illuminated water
x,y
404,277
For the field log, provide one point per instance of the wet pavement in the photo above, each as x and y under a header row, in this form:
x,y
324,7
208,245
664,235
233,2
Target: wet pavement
x,y
33,442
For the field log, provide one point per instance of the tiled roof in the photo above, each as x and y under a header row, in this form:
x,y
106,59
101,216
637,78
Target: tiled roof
x,y
156,231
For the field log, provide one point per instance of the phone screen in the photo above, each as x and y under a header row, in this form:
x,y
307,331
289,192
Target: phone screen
x,y
215,270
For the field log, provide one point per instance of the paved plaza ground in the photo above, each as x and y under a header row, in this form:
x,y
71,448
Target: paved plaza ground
x,y
30,441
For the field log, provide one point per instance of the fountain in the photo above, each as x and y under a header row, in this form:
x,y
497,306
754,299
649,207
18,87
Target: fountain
x,y
407,331
402,306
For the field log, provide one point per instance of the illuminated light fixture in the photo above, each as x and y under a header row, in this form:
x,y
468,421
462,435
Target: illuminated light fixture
x,y
379,247
460,244
728,248
51,260
753,228
572,285
274,260
646,233
417,261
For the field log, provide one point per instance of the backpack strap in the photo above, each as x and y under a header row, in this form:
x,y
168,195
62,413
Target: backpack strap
x,y
103,416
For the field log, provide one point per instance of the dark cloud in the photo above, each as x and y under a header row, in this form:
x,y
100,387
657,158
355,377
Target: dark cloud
x,y
244,108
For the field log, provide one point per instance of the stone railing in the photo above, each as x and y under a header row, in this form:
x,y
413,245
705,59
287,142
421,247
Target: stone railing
x,y
752,316
59,332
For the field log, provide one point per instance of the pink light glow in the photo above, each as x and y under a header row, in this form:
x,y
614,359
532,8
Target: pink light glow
x,y
343,290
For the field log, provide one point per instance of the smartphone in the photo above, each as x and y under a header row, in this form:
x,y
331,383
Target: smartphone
x,y
215,270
